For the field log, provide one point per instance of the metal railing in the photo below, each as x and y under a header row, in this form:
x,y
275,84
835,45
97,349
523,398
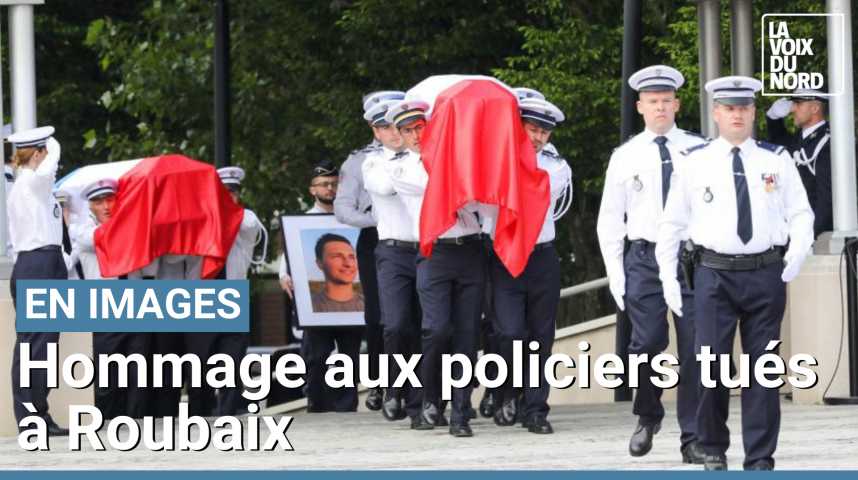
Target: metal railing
x,y
584,287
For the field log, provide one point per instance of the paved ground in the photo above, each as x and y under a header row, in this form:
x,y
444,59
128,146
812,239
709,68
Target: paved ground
x,y
587,437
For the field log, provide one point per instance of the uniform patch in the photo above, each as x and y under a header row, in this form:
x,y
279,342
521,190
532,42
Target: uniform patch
x,y
688,150
777,149
637,185
57,210
771,181
708,196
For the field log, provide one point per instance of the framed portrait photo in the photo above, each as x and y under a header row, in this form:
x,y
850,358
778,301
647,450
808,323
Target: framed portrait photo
x,y
322,257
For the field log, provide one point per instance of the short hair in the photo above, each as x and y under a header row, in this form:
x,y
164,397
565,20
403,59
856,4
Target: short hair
x,y
327,238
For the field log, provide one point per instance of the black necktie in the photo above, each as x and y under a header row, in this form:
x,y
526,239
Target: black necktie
x,y
666,167
745,228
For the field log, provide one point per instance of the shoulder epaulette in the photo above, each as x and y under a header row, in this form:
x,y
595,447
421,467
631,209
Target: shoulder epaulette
x,y
772,147
698,135
688,150
370,147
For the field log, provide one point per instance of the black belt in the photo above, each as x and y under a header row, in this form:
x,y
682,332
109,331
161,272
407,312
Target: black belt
x,y
390,242
643,243
459,240
543,245
46,248
719,261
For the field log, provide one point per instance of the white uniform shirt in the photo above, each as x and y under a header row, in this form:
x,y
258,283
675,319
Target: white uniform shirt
x,y
632,198
241,254
82,235
703,202
393,217
559,177
35,216
410,179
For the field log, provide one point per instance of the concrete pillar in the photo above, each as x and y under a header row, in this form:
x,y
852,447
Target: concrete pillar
x,y
742,38
709,47
841,116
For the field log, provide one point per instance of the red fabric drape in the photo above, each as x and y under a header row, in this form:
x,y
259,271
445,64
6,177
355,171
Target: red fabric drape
x,y
168,205
475,149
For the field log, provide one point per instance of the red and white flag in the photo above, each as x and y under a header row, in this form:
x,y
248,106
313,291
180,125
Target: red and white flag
x,y
475,149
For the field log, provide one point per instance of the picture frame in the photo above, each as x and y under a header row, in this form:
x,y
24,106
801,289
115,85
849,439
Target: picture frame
x,y
328,292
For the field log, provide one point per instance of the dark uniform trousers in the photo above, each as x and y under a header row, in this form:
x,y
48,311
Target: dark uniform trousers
x,y
526,310
755,299
489,318
450,286
366,243
164,400
42,264
647,312
114,400
400,314
202,399
317,346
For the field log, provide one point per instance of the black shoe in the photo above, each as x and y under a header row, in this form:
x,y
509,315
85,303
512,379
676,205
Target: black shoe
x,y
392,409
505,416
487,405
419,423
461,430
760,465
441,420
55,430
714,462
693,453
539,424
641,441
374,399
431,413
470,413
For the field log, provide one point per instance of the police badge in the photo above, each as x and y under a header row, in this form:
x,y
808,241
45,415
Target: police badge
x,y
56,210
637,185
707,196
770,180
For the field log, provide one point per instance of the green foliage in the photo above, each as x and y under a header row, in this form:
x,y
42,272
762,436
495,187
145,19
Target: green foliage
x,y
131,79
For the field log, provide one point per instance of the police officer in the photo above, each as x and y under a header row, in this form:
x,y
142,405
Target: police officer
x,y
396,256
741,201
228,400
353,206
319,342
111,400
449,283
526,306
636,188
811,149
36,233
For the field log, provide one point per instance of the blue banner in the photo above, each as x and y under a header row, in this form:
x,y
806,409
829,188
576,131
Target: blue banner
x,y
132,306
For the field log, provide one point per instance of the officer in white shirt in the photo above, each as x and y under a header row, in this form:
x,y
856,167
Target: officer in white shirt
x,y
741,201
228,400
396,256
353,206
111,400
526,306
636,188
36,235
449,283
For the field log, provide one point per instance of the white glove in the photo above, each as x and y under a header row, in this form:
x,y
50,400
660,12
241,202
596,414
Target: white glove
x,y
792,265
779,109
673,295
617,284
